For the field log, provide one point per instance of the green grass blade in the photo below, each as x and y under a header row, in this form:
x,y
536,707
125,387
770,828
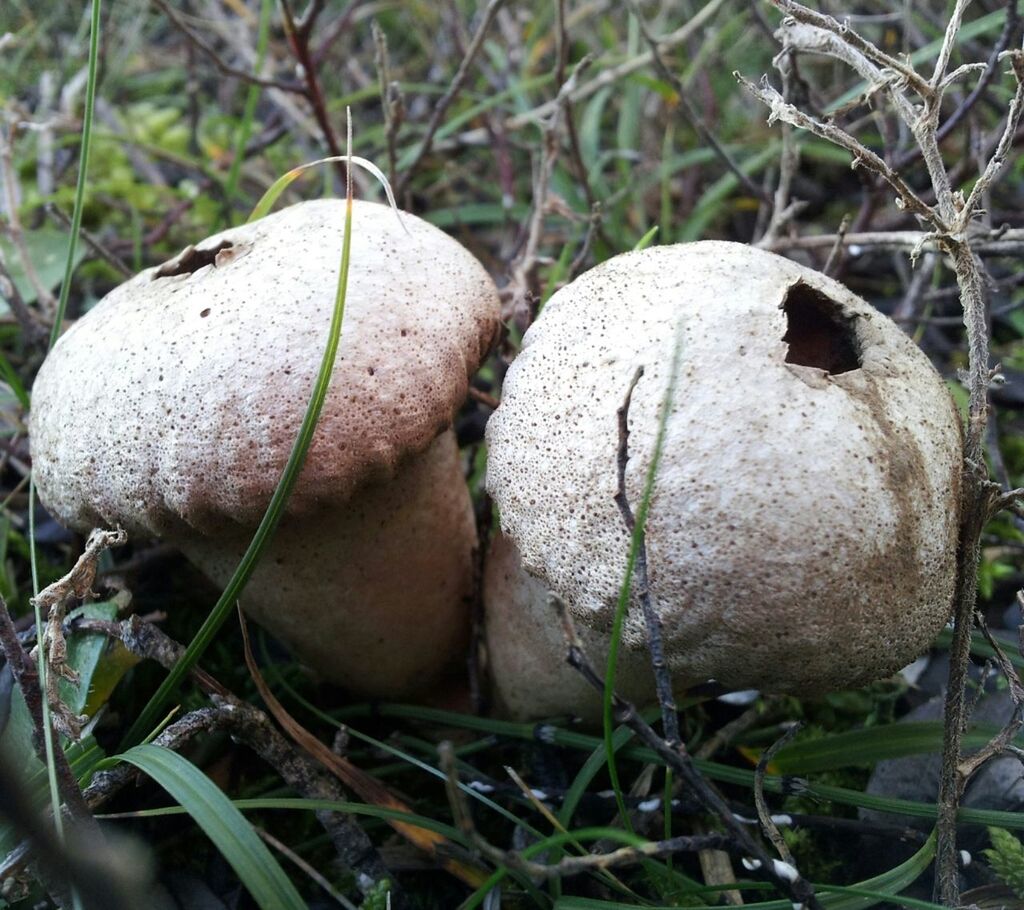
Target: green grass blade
x,y
873,744
50,745
14,381
83,168
275,510
590,769
627,582
229,830
646,240
251,98
282,183
313,805
884,888
727,774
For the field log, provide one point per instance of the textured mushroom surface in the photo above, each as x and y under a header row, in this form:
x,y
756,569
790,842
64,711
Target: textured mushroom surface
x,y
803,526
374,595
175,401
526,649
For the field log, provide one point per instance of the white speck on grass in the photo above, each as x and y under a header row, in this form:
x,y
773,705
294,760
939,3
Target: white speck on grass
x,y
743,697
785,870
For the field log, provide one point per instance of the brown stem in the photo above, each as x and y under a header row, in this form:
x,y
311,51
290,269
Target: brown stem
x,y
298,33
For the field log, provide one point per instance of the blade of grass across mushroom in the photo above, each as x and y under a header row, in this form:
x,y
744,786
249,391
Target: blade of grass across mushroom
x,y
635,545
222,609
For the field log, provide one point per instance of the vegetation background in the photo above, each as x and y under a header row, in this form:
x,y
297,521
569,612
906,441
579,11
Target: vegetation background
x,y
546,137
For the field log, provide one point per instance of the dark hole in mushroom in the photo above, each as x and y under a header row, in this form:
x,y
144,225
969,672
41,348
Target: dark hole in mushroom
x,y
817,333
192,260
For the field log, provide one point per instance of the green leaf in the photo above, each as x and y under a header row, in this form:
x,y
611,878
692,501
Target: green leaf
x,y
229,830
646,240
48,248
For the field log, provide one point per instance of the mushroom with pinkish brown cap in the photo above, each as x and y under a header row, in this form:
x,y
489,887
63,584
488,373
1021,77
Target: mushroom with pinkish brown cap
x,y
171,408
803,526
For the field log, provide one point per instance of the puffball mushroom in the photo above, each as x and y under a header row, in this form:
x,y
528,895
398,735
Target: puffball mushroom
x,y
526,648
171,408
802,531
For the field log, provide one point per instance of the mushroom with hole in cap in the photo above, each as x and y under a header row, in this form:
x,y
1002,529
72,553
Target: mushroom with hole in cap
x,y
171,408
803,526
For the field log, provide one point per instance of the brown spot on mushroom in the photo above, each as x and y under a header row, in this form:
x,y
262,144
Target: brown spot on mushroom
x,y
818,333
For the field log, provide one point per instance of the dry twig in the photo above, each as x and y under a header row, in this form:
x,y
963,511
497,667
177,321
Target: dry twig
x,y
54,600
785,877
950,222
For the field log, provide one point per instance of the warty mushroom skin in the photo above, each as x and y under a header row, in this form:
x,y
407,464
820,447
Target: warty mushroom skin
x,y
527,652
803,526
170,409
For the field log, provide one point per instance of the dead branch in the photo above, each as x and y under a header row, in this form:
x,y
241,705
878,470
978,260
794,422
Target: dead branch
x,y
783,876
524,270
652,621
768,825
298,31
689,110
208,51
248,725
27,678
54,600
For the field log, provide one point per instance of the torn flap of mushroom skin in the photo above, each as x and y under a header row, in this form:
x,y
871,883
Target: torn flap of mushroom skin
x,y
802,531
207,365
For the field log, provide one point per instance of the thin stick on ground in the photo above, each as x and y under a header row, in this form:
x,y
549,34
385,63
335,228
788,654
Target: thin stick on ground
x,y
652,621
764,815
787,879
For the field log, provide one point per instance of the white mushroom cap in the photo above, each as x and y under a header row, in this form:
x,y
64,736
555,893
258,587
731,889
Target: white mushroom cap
x,y
177,399
802,532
